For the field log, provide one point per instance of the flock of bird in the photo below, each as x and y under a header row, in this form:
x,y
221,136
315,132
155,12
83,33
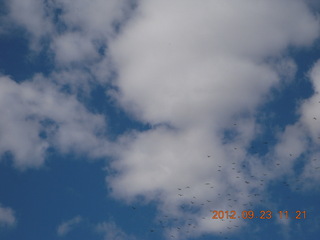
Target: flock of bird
x,y
193,205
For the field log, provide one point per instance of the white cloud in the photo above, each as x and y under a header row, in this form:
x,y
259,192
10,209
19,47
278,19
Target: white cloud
x,y
309,122
111,231
95,17
71,47
77,40
189,69
35,115
34,16
204,56
198,69
74,30
67,226
7,217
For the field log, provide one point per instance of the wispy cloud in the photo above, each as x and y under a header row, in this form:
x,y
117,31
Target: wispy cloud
x,y
7,217
65,227
111,231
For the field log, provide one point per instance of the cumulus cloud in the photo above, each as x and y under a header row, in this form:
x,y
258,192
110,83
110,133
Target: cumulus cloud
x,y
34,16
75,32
7,217
71,47
74,35
67,226
302,139
309,122
36,116
97,17
44,115
184,53
196,73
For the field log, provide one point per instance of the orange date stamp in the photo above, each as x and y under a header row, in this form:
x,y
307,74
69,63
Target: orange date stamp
x,y
263,214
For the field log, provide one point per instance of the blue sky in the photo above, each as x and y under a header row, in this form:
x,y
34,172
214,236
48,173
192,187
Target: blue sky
x,y
134,120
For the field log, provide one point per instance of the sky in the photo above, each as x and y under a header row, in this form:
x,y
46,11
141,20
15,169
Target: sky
x,y
180,119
